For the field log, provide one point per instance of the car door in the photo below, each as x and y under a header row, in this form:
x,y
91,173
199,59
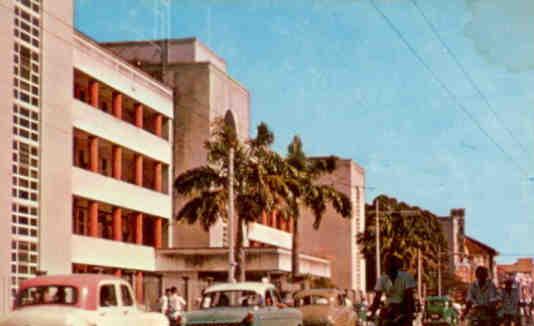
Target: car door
x,y
128,308
108,312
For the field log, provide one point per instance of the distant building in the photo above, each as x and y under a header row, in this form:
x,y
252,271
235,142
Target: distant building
x,y
479,254
522,272
464,253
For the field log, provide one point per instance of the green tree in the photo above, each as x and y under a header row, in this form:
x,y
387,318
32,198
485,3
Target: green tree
x,y
403,230
308,192
258,183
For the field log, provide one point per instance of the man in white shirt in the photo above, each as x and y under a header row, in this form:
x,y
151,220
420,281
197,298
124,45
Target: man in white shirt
x,y
398,287
176,304
482,294
164,302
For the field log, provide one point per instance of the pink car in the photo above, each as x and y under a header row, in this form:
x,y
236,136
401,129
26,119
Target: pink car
x,y
78,300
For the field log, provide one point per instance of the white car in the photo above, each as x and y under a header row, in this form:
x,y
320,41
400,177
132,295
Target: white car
x,y
242,304
78,300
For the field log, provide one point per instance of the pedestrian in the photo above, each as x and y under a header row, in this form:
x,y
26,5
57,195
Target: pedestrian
x,y
398,287
176,305
164,302
482,295
510,304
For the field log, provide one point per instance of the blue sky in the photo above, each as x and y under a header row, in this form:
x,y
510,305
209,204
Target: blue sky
x,y
338,75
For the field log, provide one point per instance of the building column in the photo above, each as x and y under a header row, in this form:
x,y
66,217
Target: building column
x,y
93,219
93,154
282,223
117,162
94,89
158,177
274,220
117,224
158,232
139,228
117,105
139,286
138,170
290,225
139,115
264,218
158,125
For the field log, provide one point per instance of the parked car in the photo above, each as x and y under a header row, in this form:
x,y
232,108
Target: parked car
x,y
328,307
78,300
440,311
248,303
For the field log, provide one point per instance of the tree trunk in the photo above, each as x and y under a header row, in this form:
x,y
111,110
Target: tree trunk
x,y
295,249
240,252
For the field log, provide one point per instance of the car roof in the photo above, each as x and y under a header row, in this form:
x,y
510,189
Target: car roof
x,y
319,292
257,287
75,280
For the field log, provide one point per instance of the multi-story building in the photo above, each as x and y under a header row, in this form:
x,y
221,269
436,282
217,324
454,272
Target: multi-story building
x,y
204,91
87,149
336,238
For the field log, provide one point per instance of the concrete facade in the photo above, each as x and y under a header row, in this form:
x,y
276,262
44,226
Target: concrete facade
x,y
106,145
336,238
56,138
453,228
6,145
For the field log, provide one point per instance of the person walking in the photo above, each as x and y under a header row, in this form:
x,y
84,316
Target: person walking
x,y
510,304
164,302
176,305
398,287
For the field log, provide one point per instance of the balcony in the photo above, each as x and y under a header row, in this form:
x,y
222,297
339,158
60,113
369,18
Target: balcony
x,y
270,236
97,187
92,60
103,125
102,252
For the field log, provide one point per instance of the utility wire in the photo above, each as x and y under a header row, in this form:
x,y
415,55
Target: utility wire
x,y
444,86
468,76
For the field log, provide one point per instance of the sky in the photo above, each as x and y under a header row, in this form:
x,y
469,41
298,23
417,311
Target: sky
x,y
433,98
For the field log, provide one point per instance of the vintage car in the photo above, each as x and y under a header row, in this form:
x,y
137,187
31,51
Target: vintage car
x,y
325,307
78,300
440,311
247,303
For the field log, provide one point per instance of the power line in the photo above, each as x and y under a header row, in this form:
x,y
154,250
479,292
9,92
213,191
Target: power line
x,y
444,86
468,76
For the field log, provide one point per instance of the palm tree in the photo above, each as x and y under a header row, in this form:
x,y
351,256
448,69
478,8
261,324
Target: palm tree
x,y
258,183
309,193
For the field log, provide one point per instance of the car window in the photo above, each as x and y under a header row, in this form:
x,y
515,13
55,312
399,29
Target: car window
x,y
269,300
230,299
108,296
126,296
276,296
64,295
312,300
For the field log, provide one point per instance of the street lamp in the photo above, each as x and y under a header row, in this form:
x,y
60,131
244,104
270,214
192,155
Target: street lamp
x,y
230,123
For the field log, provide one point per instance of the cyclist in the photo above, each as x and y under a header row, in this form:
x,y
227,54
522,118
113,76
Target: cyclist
x,y
482,296
398,287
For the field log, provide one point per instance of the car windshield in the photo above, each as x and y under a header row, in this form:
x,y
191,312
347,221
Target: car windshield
x,y
312,300
231,299
51,294
436,304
